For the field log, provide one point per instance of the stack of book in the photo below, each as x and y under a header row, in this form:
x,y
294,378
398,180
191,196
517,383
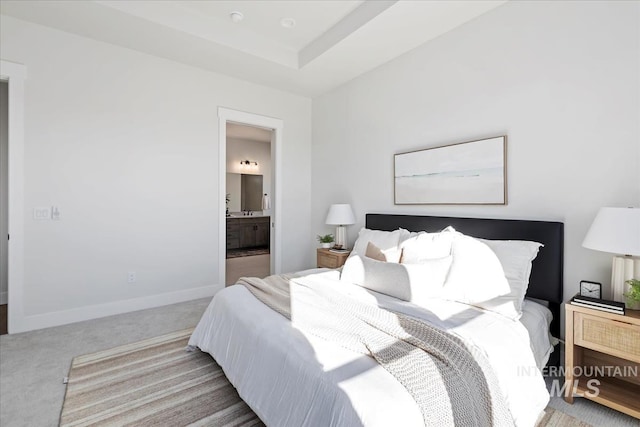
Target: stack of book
x,y
598,304
339,250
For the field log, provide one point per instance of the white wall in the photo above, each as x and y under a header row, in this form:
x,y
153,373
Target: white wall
x,y
561,79
255,151
125,144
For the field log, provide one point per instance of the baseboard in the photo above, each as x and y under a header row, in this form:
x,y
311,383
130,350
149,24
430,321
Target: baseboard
x,y
4,298
47,320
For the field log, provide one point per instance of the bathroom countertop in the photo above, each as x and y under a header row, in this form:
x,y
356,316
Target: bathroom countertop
x,y
255,215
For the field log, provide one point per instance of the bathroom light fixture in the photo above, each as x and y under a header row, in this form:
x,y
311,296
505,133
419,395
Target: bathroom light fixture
x,y
236,16
248,163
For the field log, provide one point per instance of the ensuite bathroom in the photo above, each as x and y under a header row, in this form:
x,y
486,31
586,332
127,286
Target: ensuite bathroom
x,y
248,202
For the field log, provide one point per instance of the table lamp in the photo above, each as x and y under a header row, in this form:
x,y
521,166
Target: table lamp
x,y
341,215
617,231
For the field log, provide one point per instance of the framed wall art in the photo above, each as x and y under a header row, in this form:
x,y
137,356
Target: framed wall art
x,y
466,173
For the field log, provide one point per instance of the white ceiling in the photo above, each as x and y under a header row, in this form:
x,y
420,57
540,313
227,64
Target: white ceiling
x,y
331,43
262,18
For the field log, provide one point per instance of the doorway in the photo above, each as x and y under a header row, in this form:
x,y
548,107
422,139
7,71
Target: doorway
x,y
273,200
4,204
15,74
248,202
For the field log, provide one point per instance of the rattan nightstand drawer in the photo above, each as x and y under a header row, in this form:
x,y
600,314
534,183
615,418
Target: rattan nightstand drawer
x,y
615,337
328,259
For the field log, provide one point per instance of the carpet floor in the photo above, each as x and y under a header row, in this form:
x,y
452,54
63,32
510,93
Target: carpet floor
x,y
157,382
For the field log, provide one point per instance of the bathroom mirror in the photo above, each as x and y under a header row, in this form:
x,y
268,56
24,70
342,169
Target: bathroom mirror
x,y
245,192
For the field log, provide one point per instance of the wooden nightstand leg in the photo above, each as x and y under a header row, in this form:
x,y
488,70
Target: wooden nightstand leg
x,y
569,358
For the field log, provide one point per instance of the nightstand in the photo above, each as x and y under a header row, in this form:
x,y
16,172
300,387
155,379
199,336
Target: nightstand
x,y
329,259
604,347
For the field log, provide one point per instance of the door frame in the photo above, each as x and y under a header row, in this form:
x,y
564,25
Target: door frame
x,y
15,74
226,115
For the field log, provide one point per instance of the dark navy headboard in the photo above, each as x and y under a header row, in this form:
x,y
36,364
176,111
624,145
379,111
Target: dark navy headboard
x,y
545,283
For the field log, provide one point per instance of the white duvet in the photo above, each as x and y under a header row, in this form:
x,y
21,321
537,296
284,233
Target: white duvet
x,y
292,379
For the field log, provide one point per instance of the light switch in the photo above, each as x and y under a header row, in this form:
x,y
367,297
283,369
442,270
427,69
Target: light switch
x,y
42,213
55,213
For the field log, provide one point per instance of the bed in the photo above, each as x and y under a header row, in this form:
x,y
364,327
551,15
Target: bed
x,y
293,378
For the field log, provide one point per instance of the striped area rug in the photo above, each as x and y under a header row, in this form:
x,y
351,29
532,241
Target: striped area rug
x,y
555,418
154,382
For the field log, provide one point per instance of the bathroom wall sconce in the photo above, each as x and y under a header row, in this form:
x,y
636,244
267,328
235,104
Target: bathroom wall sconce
x,y
248,163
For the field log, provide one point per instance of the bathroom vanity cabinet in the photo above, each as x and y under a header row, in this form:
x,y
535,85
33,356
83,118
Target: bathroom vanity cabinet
x,y
248,232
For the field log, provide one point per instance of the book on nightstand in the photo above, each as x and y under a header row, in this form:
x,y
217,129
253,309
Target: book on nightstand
x,y
599,304
339,251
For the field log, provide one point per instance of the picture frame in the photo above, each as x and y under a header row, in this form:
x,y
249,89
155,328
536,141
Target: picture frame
x,y
464,173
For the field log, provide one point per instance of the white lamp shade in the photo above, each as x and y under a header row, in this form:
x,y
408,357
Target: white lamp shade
x,y
615,230
341,214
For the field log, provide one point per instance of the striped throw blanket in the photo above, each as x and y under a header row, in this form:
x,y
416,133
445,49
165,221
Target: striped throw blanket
x,y
450,379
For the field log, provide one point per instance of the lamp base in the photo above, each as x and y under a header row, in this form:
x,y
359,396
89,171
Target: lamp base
x,y
341,237
623,268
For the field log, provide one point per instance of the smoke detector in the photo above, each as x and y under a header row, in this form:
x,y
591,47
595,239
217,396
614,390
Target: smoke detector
x,y
236,16
288,22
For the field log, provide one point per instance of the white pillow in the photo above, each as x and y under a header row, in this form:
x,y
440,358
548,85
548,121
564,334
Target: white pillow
x,y
476,277
408,282
405,234
515,257
386,241
424,246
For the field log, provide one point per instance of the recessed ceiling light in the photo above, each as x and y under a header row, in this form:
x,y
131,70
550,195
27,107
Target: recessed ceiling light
x,y
236,16
288,22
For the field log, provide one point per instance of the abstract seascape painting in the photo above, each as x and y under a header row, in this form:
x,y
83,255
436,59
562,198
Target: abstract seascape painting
x,y
465,173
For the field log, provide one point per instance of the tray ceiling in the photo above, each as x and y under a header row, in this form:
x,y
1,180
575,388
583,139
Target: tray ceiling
x,y
331,42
